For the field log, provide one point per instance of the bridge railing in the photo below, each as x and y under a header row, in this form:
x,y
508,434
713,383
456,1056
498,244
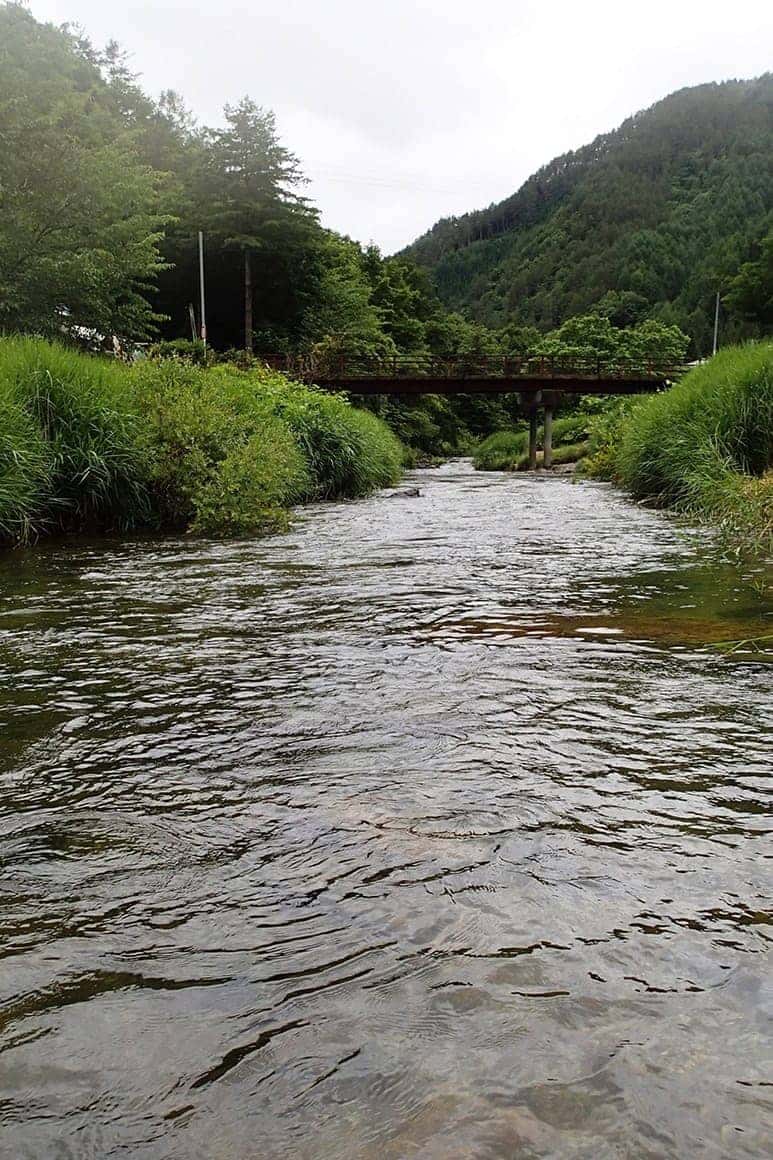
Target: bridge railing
x,y
343,368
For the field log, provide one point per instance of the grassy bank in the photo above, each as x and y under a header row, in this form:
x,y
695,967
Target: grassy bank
x,y
705,447
509,450
87,444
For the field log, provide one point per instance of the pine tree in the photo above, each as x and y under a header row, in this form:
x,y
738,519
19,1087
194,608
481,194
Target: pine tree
x,y
249,203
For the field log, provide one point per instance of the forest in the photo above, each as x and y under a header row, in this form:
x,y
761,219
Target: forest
x,y
104,190
648,221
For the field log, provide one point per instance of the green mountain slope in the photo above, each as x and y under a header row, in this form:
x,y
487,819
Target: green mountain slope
x,y
656,216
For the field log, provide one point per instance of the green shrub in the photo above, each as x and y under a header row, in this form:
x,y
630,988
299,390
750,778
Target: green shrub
x,y
508,450
567,453
221,459
349,452
605,433
87,443
250,490
232,448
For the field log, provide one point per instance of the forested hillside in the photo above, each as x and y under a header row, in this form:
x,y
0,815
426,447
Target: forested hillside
x,y
647,221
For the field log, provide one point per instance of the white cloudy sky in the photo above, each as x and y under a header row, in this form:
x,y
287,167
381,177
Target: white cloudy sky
x,y
408,110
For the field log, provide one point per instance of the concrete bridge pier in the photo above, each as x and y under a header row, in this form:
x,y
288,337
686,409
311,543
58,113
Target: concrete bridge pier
x,y
533,438
548,401
547,442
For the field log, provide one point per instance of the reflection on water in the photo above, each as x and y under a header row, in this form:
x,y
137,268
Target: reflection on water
x,y
430,829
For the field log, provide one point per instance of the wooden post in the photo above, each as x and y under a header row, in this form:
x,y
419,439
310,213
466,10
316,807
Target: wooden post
x,y
533,438
547,445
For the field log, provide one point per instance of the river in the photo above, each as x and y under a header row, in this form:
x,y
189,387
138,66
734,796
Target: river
x,y
433,828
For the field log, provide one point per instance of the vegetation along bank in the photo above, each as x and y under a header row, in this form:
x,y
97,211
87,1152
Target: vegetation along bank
x,y
704,447
89,444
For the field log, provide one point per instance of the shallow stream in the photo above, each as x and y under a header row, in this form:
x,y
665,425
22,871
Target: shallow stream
x,y
434,828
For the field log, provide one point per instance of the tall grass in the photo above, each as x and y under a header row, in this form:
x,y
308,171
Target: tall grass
x,y
349,451
706,445
719,418
501,451
89,444
69,438
508,450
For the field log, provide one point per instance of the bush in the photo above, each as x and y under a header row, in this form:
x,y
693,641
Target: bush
x,y
349,452
250,490
242,445
222,461
508,450
605,434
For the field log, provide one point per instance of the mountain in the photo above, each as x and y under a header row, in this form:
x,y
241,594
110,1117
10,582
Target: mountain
x,y
649,220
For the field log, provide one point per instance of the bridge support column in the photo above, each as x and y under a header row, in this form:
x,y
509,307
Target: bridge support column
x,y
533,439
547,445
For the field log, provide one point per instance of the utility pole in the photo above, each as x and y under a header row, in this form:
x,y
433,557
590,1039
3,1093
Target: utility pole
x,y
201,288
716,324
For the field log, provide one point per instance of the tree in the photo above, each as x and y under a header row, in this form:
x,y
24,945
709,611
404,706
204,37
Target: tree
x,y
751,292
590,336
80,214
247,197
342,313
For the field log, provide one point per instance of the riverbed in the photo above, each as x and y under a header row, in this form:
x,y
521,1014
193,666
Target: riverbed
x,y
436,827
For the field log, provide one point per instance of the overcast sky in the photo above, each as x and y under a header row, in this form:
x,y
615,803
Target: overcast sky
x,y
404,111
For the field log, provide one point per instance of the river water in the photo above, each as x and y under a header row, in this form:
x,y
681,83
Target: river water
x,y
433,828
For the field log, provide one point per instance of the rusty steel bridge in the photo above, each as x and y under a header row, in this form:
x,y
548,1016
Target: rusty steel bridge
x,y
540,380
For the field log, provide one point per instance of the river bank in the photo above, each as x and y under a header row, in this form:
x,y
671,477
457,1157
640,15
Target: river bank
x,y
704,447
88,444
407,829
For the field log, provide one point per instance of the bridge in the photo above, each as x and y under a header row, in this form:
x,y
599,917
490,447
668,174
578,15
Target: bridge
x,y
540,380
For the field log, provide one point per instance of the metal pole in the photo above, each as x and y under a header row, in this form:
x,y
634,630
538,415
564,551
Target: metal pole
x,y
716,324
201,287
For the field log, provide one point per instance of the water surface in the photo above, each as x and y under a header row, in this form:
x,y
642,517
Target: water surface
x,y
434,828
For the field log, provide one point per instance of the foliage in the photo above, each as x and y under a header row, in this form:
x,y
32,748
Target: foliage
x,y
594,336
706,445
25,469
508,450
647,220
502,451
606,421
90,443
80,213
71,450
751,291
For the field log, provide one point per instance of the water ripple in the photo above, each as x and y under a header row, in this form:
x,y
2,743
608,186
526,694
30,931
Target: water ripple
x,y
433,827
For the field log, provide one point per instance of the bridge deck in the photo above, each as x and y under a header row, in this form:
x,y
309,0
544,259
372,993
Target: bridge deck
x,y
487,374
476,384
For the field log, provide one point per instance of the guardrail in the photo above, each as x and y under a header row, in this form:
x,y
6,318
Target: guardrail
x,y
340,369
